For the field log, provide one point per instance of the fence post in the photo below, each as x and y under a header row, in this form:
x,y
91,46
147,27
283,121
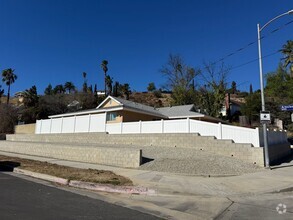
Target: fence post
x,y
74,124
51,125
90,118
41,126
121,127
105,122
188,125
61,125
41,122
220,131
257,138
140,125
162,125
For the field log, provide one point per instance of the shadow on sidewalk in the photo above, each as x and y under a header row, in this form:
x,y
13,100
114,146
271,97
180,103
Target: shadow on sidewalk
x,y
285,162
8,166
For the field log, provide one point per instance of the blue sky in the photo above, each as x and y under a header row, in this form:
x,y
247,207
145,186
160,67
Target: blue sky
x,y
54,41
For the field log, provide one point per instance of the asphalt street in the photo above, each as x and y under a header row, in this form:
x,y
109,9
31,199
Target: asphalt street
x,y
26,200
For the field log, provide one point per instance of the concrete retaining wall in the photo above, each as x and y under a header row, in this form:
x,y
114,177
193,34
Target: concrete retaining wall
x,y
122,157
25,129
243,152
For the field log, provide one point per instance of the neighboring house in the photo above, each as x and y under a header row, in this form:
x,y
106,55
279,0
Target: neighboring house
x,y
20,96
230,107
74,105
121,110
100,93
185,111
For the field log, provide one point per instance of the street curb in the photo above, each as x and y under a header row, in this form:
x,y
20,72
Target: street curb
x,y
138,190
42,176
112,189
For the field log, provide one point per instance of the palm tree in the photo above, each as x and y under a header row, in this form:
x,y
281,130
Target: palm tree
x,y
109,82
104,66
31,97
84,75
69,86
125,90
59,89
9,78
84,86
287,50
49,90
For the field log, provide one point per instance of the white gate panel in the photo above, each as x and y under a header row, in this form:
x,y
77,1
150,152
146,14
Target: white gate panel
x,y
56,125
175,126
204,128
240,134
68,125
38,127
114,128
151,127
82,123
97,123
130,127
45,127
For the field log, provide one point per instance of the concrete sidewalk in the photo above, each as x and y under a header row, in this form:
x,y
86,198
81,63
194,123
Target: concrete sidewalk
x,y
181,196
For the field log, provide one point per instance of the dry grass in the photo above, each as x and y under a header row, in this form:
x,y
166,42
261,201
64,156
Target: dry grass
x,y
89,175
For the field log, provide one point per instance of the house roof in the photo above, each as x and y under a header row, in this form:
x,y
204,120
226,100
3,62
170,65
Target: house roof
x,y
82,112
181,111
139,107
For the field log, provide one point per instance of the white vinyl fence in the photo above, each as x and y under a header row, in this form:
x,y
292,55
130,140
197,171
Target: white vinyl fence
x,y
97,123
75,124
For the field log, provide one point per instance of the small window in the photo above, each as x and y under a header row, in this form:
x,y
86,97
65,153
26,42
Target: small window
x,y
111,116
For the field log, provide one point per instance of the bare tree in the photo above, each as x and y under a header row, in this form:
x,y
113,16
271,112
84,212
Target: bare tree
x,y
212,93
180,79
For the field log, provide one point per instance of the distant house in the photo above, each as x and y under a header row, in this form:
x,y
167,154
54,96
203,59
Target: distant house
x,y
230,106
121,110
20,97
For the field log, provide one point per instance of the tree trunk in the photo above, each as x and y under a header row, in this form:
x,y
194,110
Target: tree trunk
x,y
8,94
105,83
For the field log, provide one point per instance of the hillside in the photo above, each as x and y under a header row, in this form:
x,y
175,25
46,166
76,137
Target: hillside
x,y
151,99
12,100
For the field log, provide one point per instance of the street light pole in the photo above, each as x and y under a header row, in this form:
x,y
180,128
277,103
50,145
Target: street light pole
x,y
265,136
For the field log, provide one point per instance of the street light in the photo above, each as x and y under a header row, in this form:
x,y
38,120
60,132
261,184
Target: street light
x,y
259,29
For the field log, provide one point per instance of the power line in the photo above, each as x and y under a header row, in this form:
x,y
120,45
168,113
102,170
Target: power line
x,y
254,60
252,43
